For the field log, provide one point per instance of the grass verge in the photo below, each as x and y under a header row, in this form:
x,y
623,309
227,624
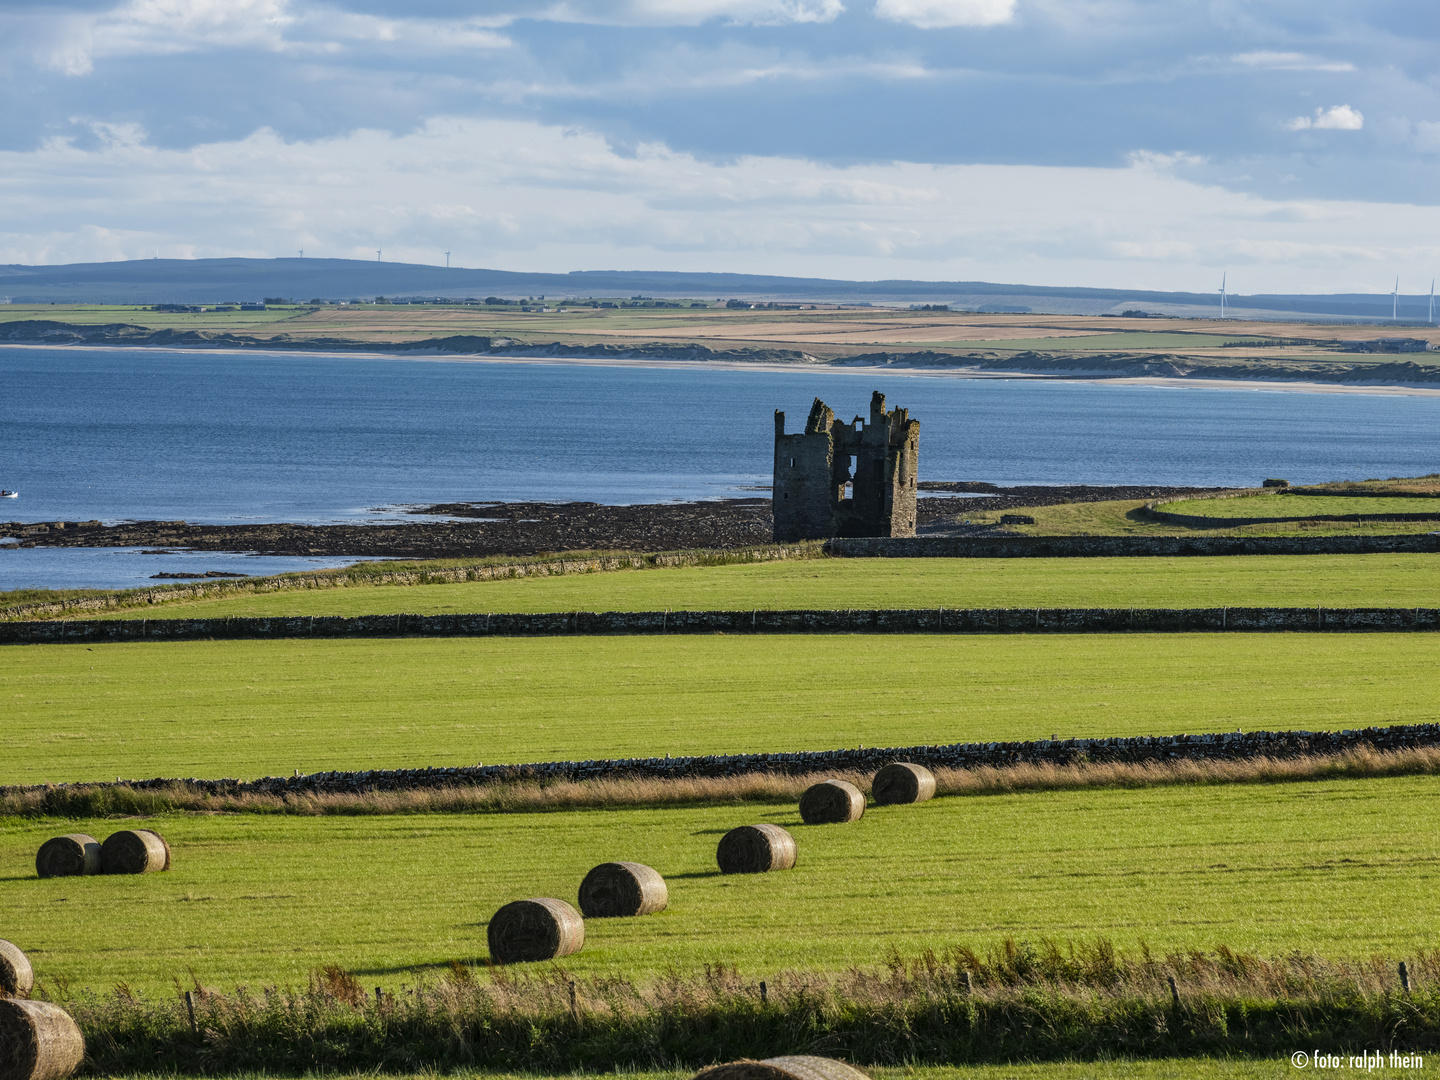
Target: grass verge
x,y
1028,1001
122,800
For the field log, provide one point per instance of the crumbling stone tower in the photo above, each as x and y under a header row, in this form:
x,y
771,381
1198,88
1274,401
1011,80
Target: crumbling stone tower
x,y
838,479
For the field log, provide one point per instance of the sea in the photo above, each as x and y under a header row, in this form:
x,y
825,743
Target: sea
x,y
226,437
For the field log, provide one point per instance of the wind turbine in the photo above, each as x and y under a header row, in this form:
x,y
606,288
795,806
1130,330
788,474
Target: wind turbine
x,y
1223,277
447,260
1432,301
377,255
1395,301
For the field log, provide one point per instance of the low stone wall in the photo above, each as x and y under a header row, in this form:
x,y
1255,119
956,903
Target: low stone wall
x,y
1067,547
211,590
876,621
1229,746
1202,522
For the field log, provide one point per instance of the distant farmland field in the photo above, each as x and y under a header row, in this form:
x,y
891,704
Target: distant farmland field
x,y
248,708
261,900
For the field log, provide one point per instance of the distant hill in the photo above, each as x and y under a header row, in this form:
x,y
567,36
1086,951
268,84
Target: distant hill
x,y
193,281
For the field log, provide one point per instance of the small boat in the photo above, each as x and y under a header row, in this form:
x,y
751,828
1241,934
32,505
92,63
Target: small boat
x,y
9,494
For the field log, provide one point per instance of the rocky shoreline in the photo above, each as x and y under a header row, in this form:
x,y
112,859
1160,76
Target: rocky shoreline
x,y
479,529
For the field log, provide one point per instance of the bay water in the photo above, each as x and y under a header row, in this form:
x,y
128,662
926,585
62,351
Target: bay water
x,y
223,437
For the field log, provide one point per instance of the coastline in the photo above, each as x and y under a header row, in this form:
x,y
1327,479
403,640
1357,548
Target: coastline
x,y
1377,387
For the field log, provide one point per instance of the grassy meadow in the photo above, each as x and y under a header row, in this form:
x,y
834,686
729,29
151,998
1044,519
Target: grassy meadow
x,y
1276,505
264,899
248,708
1252,581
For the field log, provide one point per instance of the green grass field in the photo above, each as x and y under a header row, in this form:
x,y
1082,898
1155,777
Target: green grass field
x,y
1252,581
247,708
258,899
1302,506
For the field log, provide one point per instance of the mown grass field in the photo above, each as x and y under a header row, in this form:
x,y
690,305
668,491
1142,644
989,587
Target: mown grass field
x,y
1252,581
248,708
1122,518
1303,505
258,899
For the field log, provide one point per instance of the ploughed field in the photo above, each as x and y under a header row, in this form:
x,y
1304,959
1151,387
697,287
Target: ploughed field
x,y
251,708
1193,581
1338,868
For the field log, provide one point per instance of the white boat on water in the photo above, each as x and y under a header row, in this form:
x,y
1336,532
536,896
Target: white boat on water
x,y
9,494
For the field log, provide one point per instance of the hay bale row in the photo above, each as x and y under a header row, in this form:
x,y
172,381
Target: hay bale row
x,y
17,978
839,802
38,1041
130,851
543,928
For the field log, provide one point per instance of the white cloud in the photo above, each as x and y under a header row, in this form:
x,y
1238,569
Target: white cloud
x,y
1289,61
931,14
1154,159
161,27
519,195
689,12
1335,118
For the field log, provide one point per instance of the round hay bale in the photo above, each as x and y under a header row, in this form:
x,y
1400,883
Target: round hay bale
x,y
902,782
68,856
134,851
17,978
38,1041
793,1067
616,889
832,802
755,849
535,929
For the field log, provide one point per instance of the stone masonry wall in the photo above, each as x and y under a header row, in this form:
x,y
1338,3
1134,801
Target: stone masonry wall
x,y
1227,746
877,621
1020,547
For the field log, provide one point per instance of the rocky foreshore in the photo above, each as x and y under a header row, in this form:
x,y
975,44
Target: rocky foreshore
x,y
479,529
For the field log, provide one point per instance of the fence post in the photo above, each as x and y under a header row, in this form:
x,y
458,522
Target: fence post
x,y
190,1008
1404,977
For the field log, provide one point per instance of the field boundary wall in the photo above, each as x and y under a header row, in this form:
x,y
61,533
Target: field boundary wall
x,y
871,621
557,567
1228,746
1067,547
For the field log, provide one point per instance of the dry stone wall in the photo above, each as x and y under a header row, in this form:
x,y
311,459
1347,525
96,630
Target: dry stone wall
x,y
1228,746
1019,547
876,621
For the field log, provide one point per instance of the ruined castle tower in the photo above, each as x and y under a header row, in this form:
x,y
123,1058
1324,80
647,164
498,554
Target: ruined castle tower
x,y
838,479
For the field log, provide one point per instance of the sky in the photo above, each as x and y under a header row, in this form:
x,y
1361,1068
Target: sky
x,y
1291,145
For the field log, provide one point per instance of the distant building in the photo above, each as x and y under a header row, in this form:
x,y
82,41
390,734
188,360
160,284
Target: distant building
x,y
1390,345
839,479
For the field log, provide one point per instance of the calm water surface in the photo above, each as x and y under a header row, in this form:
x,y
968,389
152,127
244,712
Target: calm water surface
x,y
215,437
